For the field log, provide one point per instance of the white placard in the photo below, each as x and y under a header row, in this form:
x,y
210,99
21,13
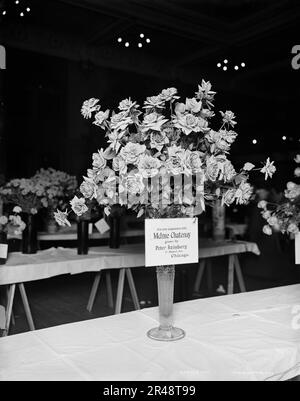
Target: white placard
x,y
3,251
297,249
171,241
102,226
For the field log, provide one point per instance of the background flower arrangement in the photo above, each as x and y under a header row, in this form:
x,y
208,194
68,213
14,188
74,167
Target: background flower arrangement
x,y
284,217
170,140
13,224
47,189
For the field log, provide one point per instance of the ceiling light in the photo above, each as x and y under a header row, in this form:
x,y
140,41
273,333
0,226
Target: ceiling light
x,y
219,65
148,40
127,44
142,35
225,61
225,68
120,40
243,65
140,45
236,67
254,141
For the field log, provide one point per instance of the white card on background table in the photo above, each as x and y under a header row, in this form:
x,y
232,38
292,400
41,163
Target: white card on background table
x,y
297,249
102,226
171,241
3,251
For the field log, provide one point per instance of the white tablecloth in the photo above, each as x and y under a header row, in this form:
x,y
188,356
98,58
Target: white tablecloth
x,y
58,261
212,249
246,336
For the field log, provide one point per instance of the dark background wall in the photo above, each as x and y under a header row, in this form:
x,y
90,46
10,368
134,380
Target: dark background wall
x,y
67,52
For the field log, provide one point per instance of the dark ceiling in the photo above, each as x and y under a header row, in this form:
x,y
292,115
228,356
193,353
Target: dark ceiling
x,y
188,39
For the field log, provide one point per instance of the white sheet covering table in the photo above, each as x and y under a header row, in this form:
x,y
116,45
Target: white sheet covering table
x,y
249,336
53,262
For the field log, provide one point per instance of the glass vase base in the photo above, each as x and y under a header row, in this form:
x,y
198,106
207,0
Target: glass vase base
x,y
171,334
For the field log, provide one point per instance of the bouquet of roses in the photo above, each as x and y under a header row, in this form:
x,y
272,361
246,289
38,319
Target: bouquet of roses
x,y
164,159
284,217
12,224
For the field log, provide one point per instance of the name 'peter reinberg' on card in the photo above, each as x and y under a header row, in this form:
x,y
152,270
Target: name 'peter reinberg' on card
x,y
171,241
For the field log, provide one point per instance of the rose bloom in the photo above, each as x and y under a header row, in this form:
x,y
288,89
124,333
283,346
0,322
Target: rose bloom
x,y
169,94
119,165
228,197
228,171
262,204
95,175
243,193
293,229
217,141
158,140
100,118
132,152
187,123
273,221
110,187
127,104
89,106
154,102
297,172
99,160
149,166
153,121
88,188
17,209
212,168
78,206
248,167
172,134
120,121
267,230
175,164
132,184
3,220
193,161
266,215
193,105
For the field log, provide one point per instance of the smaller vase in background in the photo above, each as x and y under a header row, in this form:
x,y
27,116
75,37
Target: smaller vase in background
x,y
114,237
51,226
3,248
218,221
115,226
29,238
83,237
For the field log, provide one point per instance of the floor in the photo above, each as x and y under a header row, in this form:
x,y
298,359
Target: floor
x,y
63,300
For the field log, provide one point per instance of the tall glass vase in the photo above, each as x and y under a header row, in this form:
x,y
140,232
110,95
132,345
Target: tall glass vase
x,y
166,331
29,237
